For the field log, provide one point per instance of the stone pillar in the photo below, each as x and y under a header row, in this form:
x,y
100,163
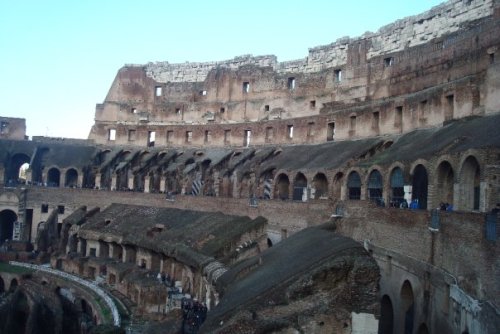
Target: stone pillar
x,y
163,182
62,178
483,187
79,182
147,181
235,185
98,180
2,175
456,196
113,181
131,182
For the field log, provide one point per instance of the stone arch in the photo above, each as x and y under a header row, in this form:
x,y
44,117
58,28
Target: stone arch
x,y
7,220
282,187
337,185
354,186
2,285
13,170
422,329
71,178
407,306
386,322
21,312
299,186
470,173
420,184
375,186
396,184
445,182
53,177
13,285
320,183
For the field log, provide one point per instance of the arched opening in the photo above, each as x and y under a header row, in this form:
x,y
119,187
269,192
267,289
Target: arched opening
x,y
13,285
282,187
397,187
445,180
470,178
71,179
269,243
386,323
419,186
2,284
24,172
7,220
14,173
375,186
21,313
299,187
354,186
407,306
53,177
320,183
422,329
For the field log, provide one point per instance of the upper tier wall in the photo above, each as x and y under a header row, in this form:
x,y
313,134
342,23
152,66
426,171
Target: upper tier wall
x,y
408,32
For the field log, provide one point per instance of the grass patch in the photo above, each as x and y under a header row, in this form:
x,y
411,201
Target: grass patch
x,y
7,268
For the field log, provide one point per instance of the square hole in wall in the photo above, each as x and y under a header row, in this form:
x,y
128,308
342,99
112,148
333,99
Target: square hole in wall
x,y
44,208
266,107
60,209
312,104
337,75
246,87
389,61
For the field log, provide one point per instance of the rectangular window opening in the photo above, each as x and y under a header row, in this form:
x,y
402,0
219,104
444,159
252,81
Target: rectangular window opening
x,y
151,138
310,129
266,107
376,119
133,110
246,87
352,123
170,136
389,61
158,90
269,134
178,111
290,131
398,117
312,104
227,136
492,58
112,134
189,136
131,135
44,208
222,110
208,136
60,209
203,92
291,83
338,75
330,131
247,138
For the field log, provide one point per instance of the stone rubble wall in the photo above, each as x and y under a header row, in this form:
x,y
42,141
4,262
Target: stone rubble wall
x,y
407,32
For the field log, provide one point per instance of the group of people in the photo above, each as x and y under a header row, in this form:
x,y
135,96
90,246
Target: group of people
x,y
194,314
445,206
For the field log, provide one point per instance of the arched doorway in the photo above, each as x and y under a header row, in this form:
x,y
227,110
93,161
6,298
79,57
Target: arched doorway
x,y
13,285
470,180
397,187
282,187
407,307
386,323
337,185
445,180
299,187
375,186
53,177
419,186
21,313
7,220
2,285
71,179
13,172
321,186
354,186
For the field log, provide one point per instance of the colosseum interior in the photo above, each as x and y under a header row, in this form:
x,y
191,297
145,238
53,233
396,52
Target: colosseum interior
x,y
356,190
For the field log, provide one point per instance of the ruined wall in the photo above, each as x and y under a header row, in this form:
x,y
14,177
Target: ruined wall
x,y
12,128
417,72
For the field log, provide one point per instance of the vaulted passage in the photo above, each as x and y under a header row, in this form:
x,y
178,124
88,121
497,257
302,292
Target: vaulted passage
x,y
354,185
53,177
71,179
7,219
420,184
13,172
282,186
470,179
299,187
386,323
397,186
375,186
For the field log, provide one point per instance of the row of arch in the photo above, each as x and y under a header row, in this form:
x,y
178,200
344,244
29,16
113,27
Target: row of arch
x,y
459,186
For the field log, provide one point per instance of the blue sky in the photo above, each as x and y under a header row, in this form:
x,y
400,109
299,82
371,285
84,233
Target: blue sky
x,y
59,58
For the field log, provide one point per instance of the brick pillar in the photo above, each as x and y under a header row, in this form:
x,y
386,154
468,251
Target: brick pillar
x,y
131,182
62,178
163,181
147,181
79,182
98,180
113,181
